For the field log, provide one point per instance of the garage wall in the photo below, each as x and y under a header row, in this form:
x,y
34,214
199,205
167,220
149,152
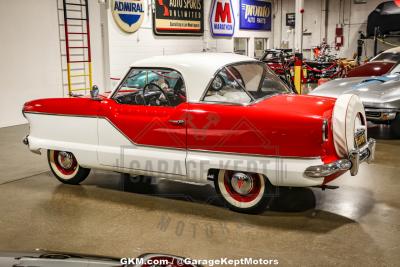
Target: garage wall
x,y
352,16
30,65
30,56
127,48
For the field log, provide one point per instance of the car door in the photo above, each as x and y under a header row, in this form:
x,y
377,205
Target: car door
x,y
143,136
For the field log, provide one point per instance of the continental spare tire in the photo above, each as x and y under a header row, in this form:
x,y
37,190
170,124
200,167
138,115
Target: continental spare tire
x,y
348,118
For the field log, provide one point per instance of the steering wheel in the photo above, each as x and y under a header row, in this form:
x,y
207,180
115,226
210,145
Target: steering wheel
x,y
163,101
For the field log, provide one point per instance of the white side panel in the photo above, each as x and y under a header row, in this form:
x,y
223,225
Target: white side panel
x,y
77,135
116,150
280,171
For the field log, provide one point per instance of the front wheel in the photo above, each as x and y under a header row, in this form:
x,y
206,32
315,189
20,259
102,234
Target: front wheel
x,y
243,191
65,167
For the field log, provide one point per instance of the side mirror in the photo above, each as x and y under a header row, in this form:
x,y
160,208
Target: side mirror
x,y
94,93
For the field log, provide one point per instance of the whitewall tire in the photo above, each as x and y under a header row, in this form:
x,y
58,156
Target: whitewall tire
x,y
243,191
65,167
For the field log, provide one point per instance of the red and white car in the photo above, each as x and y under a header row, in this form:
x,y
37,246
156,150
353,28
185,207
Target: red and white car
x,y
204,118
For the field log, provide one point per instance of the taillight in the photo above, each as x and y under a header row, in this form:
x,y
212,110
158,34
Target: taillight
x,y
325,130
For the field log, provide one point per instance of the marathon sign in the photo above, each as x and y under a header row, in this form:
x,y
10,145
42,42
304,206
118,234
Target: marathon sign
x,y
222,19
255,15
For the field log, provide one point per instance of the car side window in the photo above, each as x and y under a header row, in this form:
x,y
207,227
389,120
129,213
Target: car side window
x,y
244,83
227,87
151,87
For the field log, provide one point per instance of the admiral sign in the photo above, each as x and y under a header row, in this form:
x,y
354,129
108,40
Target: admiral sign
x,y
128,14
222,20
178,17
255,15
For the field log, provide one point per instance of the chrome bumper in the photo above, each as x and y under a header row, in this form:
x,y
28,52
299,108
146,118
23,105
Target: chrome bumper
x,y
380,114
356,157
25,141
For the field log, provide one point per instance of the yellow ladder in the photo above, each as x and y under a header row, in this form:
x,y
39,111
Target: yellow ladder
x,y
75,47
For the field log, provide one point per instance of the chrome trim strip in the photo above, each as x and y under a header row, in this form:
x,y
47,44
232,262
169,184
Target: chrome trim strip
x,y
247,154
388,110
60,114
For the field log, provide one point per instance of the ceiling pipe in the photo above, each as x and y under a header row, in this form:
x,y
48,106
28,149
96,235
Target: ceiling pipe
x,y
324,20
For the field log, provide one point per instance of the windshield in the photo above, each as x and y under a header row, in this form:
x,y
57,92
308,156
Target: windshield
x,y
387,57
244,83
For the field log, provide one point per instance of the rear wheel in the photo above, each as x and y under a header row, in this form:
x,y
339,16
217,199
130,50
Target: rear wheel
x,y
243,191
65,167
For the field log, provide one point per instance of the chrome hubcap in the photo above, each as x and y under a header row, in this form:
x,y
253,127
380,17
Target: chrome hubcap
x,y
65,159
241,183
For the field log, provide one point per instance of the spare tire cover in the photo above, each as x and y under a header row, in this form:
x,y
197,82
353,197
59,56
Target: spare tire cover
x,y
348,116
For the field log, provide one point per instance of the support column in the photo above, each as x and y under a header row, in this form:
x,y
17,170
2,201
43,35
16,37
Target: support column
x,y
298,35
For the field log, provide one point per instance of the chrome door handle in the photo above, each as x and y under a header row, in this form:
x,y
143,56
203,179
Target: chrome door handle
x,y
177,122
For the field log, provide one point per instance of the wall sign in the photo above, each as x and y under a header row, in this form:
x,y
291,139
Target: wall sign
x,y
290,19
255,15
178,17
222,19
128,14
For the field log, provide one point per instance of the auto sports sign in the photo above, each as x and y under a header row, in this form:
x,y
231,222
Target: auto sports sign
x,y
255,15
222,19
178,17
128,14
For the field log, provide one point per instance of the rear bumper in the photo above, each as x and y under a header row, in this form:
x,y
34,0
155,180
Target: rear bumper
x,y
25,141
352,163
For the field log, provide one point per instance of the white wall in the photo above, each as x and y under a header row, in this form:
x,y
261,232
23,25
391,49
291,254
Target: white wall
x,y
127,48
30,56
352,16
30,65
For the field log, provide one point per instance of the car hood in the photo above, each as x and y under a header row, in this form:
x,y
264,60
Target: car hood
x,y
381,91
374,68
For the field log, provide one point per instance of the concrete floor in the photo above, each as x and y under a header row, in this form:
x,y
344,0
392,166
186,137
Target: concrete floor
x,y
357,224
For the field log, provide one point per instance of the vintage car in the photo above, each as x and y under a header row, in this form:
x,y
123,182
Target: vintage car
x,y
387,62
384,18
281,61
380,96
207,118
44,258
